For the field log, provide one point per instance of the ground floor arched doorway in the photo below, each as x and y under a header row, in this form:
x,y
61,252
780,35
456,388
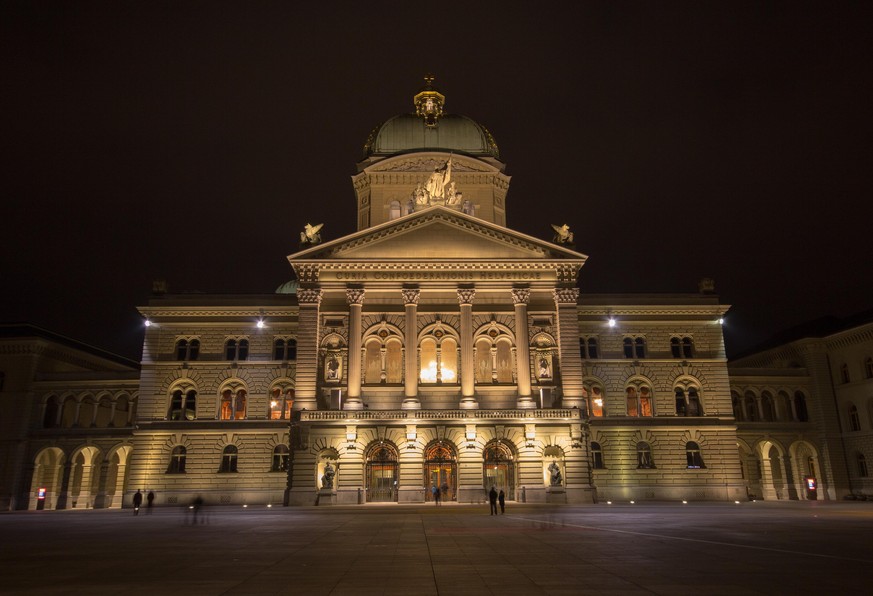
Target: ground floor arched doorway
x,y
498,468
381,473
440,470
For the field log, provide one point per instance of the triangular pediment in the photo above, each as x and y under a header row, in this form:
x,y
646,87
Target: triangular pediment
x,y
437,233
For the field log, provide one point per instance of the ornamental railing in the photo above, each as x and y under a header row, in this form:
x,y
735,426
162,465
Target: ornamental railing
x,y
502,414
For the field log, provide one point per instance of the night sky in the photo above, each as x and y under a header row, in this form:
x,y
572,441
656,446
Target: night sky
x,y
191,141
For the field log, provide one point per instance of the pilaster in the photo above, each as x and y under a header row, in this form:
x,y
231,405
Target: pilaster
x,y
568,346
305,387
468,399
355,298
520,298
410,303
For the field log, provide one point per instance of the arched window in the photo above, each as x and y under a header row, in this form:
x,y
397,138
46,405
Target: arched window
x,y
236,350
862,465
868,368
800,407
596,406
844,373
504,362
597,456
52,409
694,407
281,457
187,350
588,348
675,347
639,401
752,414
183,405
644,456
767,407
177,460
373,362
854,419
285,349
681,404
628,344
228,459
687,347
483,361
233,404
281,401
737,406
692,455
640,347
394,210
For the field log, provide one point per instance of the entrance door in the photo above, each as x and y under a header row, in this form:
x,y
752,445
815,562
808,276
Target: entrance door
x,y
381,473
440,470
498,469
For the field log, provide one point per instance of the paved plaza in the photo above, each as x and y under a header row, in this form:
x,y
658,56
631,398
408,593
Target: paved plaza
x,y
698,548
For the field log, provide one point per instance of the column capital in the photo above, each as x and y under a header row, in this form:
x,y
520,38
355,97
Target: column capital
x,y
309,295
566,295
520,295
410,295
465,295
355,295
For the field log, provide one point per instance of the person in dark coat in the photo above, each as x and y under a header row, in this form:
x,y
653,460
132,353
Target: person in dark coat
x,y
492,498
150,499
501,498
137,501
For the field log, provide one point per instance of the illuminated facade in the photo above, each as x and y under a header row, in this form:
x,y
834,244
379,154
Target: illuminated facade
x,y
433,350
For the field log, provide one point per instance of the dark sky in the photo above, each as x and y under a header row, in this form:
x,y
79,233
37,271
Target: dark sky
x,y
191,141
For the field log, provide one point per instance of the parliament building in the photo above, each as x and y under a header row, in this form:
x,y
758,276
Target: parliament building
x,y
433,352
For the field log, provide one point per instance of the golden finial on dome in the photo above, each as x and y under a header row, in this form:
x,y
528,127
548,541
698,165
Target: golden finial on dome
x,y
429,102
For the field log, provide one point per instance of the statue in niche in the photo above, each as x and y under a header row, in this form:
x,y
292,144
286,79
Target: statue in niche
x,y
555,472
563,235
327,477
311,235
332,369
545,369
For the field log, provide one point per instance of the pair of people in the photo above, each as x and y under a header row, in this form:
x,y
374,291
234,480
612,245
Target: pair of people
x,y
494,498
137,501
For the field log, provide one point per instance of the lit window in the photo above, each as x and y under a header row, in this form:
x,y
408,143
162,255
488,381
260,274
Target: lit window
x,y
233,404
281,458
639,401
177,460
228,459
596,402
280,403
597,456
183,406
644,456
692,455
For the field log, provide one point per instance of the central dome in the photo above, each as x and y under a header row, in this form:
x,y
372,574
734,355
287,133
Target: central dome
x,y
453,132
430,129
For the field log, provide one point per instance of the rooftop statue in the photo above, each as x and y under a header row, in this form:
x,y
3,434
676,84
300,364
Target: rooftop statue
x,y
311,235
563,235
439,180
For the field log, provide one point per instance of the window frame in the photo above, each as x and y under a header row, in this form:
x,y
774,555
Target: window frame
x,y
178,460
693,456
229,460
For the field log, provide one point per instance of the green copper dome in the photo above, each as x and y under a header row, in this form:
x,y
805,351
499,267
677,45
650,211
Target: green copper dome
x,y
430,129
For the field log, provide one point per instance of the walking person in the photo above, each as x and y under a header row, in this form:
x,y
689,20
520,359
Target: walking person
x,y
501,498
150,499
137,501
492,499
436,494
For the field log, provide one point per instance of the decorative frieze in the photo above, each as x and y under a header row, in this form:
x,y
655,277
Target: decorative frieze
x,y
309,296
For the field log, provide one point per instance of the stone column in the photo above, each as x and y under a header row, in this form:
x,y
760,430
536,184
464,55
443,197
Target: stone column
x,y
410,302
355,298
306,383
568,346
468,387
521,297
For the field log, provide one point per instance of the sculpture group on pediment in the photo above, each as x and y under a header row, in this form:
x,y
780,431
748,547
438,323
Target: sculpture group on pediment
x,y
439,189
